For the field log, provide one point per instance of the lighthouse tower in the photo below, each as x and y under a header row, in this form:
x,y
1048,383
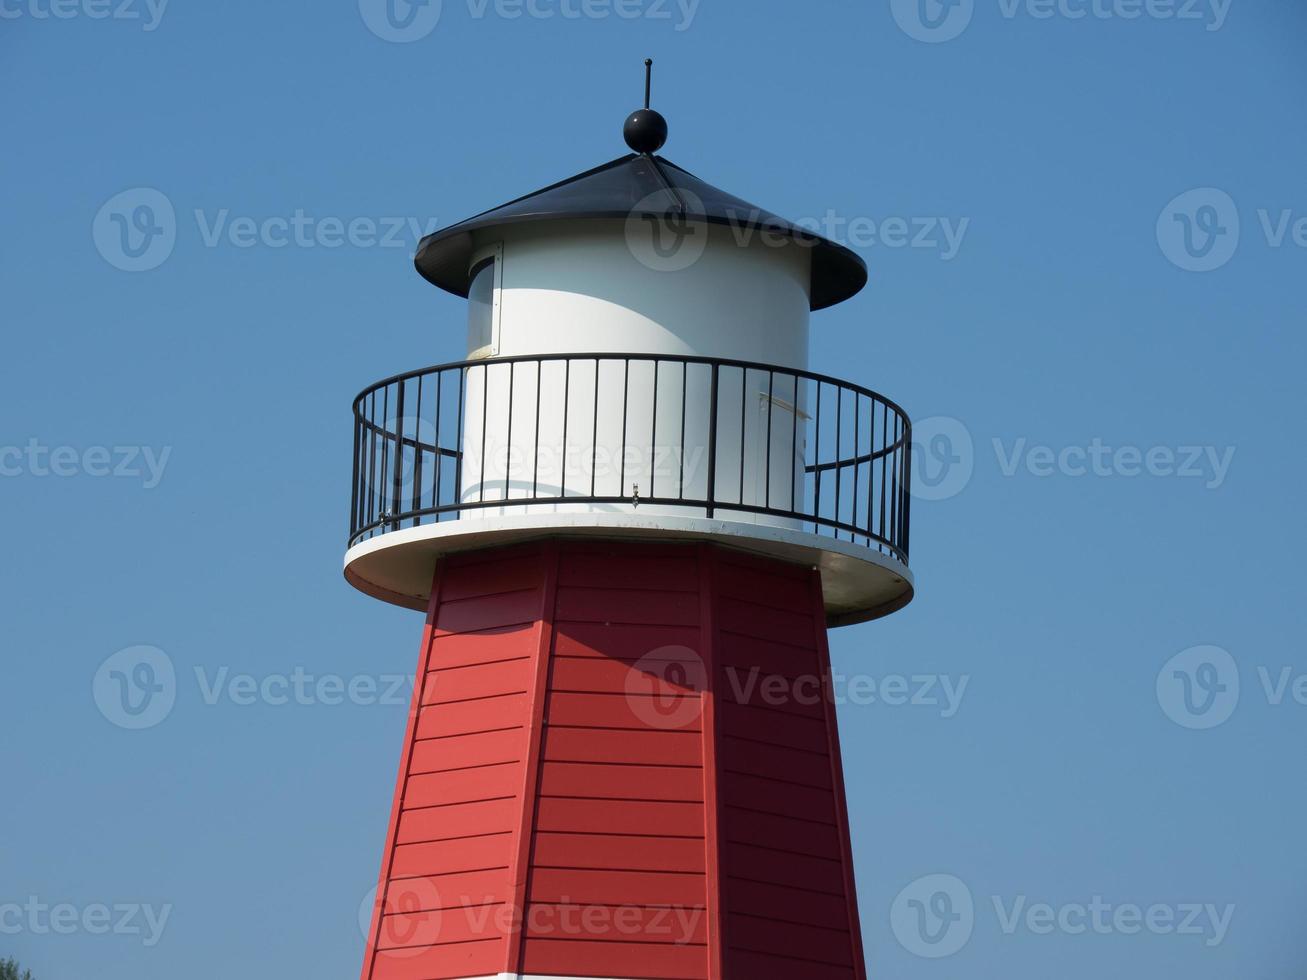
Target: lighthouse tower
x,y
629,516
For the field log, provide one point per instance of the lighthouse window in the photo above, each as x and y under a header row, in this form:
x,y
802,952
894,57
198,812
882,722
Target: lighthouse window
x,y
481,310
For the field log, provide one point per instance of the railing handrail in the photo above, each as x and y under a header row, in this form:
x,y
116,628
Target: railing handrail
x,y
619,356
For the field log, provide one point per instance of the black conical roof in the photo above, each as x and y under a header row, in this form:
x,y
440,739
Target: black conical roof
x,y
616,190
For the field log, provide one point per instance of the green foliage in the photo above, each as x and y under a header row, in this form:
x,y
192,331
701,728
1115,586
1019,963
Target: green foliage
x,y
9,971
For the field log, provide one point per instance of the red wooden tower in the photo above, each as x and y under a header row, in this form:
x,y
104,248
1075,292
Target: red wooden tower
x,y
629,516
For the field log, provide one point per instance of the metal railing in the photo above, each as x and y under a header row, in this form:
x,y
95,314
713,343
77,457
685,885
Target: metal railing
x,y
729,439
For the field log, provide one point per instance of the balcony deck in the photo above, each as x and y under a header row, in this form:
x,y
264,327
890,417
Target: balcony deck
x,y
758,457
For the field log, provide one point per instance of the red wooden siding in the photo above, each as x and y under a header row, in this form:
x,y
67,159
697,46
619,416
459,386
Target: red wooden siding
x,y
785,894
449,872
623,731
621,763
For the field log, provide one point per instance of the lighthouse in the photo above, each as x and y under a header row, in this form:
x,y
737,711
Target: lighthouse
x,y
629,515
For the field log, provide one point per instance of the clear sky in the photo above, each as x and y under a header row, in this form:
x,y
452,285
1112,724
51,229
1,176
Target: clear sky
x,y
176,447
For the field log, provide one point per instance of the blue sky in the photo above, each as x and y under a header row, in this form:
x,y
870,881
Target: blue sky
x,y
1105,365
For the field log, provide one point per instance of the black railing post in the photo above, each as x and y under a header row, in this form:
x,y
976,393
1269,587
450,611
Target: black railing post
x,y
839,439
435,483
871,469
816,460
794,448
370,497
884,472
462,445
896,505
354,480
626,389
712,439
771,385
508,447
907,489
744,406
485,419
653,435
535,450
415,496
562,463
857,466
685,395
397,467
594,436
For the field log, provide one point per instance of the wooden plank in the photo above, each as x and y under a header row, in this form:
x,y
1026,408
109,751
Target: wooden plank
x,y
619,711
625,641
762,966
781,659
640,606
618,923
465,560
829,946
620,817
784,799
466,717
782,868
773,727
792,765
765,622
785,904
787,571
567,958
459,820
443,926
598,781
462,786
493,578
613,852
487,612
657,748
669,671
448,891
783,833
779,591
475,959
756,688
484,646
449,684
467,751
453,856
554,886
625,570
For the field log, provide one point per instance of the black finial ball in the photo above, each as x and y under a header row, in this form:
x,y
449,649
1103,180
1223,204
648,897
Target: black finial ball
x,y
645,131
